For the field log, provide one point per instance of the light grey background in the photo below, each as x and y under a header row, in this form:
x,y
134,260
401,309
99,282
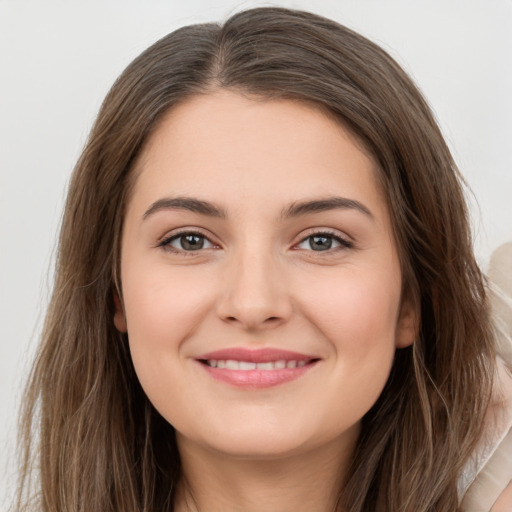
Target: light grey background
x,y
58,59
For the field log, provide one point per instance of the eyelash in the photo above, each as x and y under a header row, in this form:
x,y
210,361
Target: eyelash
x,y
166,242
344,243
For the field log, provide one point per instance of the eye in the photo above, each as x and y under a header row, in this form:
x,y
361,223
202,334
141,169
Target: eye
x,y
186,242
321,242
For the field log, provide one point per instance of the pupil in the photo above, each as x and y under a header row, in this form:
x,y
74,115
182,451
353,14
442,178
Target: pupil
x,y
192,242
320,243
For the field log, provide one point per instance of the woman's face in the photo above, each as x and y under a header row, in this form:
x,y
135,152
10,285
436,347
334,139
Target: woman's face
x,y
261,283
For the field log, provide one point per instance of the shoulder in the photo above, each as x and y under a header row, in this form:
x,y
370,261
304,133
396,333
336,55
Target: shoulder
x,y
504,501
487,479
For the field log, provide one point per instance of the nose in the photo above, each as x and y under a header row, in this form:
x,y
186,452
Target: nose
x,y
255,294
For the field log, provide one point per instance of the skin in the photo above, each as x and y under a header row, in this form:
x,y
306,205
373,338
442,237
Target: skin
x,y
257,282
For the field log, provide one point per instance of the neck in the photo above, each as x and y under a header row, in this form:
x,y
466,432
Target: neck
x,y
215,482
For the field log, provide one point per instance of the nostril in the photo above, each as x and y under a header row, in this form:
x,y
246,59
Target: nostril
x,y
270,319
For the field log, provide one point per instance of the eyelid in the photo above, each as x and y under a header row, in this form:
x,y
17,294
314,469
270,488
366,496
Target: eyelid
x,y
344,240
165,241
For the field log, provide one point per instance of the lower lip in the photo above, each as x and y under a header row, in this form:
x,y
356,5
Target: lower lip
x,y
257,379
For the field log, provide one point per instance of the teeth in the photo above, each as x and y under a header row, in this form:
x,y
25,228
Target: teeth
x,y
244,365
231,364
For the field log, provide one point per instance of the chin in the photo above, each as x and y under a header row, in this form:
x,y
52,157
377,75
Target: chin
x,y
268,440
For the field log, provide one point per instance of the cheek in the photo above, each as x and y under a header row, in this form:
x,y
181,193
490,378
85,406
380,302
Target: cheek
x,y
356,310
163,309
357,316
161,300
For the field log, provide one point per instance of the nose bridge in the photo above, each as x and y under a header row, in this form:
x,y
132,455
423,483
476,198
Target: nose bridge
x,y
255,293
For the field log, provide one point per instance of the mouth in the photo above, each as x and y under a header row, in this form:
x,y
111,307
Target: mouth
x,y
256,368
232,364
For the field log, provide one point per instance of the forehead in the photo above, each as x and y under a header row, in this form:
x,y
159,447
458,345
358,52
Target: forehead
x,y
247,148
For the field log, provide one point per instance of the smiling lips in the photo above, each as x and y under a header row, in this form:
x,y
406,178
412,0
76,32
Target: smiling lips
x,y
256,368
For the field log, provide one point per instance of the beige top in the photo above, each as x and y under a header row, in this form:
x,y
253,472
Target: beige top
x,y
486,483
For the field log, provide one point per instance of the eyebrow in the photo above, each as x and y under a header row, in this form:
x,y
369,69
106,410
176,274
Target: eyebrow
x,y
296,209
185,203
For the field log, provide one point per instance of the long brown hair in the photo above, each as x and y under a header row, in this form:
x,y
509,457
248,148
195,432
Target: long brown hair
x,y
102,446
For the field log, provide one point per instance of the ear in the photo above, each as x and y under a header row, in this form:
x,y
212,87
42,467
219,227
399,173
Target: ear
x,y
119,315
407,326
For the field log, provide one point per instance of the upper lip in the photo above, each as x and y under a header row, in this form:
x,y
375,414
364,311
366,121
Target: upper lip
x,y
262,355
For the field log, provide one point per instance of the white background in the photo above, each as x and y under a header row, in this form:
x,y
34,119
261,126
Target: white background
x,y
58,59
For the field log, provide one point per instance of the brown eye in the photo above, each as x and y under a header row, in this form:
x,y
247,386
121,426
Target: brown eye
x,y
321,242
187,242
191,242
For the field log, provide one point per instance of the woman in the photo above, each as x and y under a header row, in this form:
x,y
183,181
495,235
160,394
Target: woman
x,y
266,297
